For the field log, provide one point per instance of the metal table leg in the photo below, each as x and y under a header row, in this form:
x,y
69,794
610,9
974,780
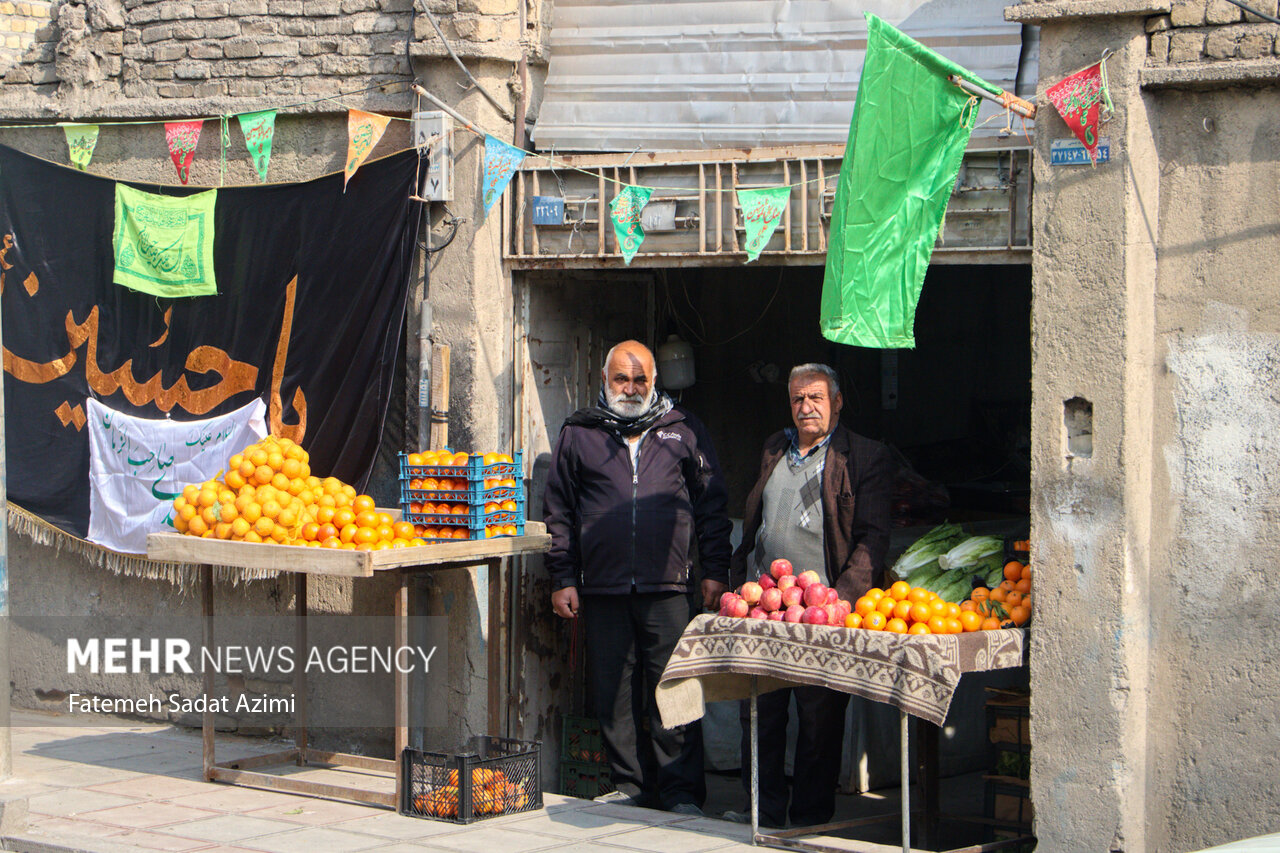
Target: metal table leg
x,y
755,760
206,718
905,741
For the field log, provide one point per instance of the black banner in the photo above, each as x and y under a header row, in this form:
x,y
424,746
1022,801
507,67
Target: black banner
x,y
312,284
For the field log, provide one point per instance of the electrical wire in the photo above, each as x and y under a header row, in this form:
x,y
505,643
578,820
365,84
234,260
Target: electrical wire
x,y
699,338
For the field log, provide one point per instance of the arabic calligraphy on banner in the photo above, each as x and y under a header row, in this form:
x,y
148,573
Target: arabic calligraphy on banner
x,y
182,138
259,129
625,211
363,132
163,245
311,295
500,163
137,466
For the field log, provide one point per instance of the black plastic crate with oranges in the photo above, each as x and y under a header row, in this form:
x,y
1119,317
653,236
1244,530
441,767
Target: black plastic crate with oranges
x,y
491,777
448,495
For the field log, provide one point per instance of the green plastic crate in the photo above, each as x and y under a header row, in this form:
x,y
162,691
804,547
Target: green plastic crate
x,y
583,779
581,740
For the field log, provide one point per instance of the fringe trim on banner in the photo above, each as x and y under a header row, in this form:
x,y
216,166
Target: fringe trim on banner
x,y
185,576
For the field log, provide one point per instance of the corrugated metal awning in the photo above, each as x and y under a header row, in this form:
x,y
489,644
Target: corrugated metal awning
x,y
693,74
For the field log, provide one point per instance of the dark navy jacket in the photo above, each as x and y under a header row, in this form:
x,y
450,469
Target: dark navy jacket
x,y
614,530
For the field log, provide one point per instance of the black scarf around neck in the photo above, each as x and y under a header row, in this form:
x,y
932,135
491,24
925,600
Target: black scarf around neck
x,y
600,415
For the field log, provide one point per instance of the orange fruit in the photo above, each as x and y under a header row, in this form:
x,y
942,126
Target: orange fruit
x,y
331,542
919,628
970,620
853,620
385,518
326,531
399,543
1024,585
402,530
953,609
252,536
360,503
886,606
368,518
310,530
968,605
365,534
490,459
920,612
902,610
196,526
415,541
1012,571
980,594
1012,599
347,533
490,507
385,532
874,621
460,458
896,626
991,623
954,625
263,526
509,530
900,590
917,594
258,457
864,605
415,459
343,516
938,625
875,594
939,608
1020,614
999,593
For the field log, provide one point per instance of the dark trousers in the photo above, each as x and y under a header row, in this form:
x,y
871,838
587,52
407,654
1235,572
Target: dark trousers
x,y
819,748
628,641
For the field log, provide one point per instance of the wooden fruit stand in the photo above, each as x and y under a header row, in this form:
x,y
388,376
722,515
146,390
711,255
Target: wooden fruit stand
x,y
205,554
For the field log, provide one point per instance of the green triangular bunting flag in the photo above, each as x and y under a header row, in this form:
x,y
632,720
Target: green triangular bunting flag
x,y
625,212
761,210
163,244
81,140
258,129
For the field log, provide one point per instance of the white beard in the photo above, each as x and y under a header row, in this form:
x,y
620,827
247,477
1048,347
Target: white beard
x,y
630,405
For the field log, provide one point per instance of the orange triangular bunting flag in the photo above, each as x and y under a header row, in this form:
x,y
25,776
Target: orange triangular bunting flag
x,y
363,132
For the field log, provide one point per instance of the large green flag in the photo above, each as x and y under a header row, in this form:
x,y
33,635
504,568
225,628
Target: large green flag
x,y
163,245
909,131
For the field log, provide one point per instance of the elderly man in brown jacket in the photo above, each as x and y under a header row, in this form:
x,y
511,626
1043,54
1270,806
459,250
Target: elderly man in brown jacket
x,y
822,502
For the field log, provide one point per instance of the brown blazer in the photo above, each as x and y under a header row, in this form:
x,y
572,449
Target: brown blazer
x,y
857,481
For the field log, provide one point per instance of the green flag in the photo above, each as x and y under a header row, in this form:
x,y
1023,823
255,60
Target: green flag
x,y
625,211
908,134
163,244
81,140
258,130
761,210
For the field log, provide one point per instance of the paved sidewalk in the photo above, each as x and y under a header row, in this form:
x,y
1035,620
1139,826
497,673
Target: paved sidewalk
x,y
113,788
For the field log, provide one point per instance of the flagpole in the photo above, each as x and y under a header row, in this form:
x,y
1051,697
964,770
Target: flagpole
x,y
1026,109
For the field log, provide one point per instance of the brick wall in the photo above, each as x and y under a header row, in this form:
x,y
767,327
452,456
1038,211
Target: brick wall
x,y
235,49
19,23
1211,31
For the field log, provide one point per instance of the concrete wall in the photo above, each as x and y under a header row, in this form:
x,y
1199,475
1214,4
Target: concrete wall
x,y
1153,684
101,60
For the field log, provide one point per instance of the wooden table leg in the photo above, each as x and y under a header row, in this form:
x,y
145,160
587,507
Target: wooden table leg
x,y
300,673
402,681
206,718
497,644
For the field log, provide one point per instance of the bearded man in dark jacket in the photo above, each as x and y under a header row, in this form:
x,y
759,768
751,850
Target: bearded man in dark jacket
x,y
634,482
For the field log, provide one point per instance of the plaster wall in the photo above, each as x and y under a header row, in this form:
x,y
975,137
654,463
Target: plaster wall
x,y
1215,486
1153,693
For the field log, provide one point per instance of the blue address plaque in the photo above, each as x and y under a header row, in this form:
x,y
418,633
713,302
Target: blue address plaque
x,y
548,210
1071,152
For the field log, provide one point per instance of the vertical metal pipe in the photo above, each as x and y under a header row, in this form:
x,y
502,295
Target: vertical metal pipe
x,y
6,745
905,741
755,759
424,363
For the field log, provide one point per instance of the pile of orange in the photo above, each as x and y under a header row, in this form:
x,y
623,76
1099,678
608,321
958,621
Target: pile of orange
x,y
1010,602
904,609
268,494
439,505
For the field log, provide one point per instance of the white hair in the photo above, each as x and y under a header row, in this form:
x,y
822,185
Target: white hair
x,y
812,368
